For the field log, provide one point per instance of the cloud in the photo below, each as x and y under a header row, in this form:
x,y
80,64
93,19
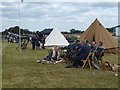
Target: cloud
x,y
63,15
62,0
104,5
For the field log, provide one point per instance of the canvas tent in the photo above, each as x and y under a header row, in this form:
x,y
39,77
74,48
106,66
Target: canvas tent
x,y
97,32
55,38
46,31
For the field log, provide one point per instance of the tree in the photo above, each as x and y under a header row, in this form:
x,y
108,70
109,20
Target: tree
x,y
110,29
73,31
65,32
15,30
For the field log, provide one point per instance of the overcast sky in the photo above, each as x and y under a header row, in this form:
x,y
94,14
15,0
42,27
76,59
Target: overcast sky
x,y
36,16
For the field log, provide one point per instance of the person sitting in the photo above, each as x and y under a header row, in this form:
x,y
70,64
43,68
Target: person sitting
x,y
49,57
80,55
74,48
88,42
70,46
53,54
71,51
77,45
93,46
100,50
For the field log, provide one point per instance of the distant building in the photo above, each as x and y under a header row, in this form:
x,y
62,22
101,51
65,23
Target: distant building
x,y
116,30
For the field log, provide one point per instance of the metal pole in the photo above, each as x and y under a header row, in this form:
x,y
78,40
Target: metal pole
x,y
19,27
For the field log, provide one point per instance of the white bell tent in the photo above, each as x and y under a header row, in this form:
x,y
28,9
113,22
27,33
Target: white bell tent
x,y
55,38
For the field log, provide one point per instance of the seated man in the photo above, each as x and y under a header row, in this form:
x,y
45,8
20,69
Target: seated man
x,y
93,46
80,55
98,53
70,47
77,45
100,50
72,50
49,57
88,42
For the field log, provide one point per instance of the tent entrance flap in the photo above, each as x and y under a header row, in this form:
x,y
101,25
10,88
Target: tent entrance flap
x,y
93,38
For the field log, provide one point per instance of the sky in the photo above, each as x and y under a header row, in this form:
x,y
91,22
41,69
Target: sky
x,y
64,16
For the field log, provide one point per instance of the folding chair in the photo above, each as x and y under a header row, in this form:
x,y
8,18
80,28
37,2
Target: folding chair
x,y
87,61
69,58
97,62
100,59
23,45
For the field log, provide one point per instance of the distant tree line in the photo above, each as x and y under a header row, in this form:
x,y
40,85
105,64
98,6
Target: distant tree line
x,y
110,29
15,30
73,31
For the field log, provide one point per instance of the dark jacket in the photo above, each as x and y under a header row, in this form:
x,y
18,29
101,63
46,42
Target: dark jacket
x,y
37,41
84,51
93,48
76,46
70,47
33,39
99,51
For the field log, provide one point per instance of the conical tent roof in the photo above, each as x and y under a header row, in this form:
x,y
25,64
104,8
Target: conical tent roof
x,y
55,38
97,32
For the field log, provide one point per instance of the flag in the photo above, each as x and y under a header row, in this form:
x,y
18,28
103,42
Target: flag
x,y
22,1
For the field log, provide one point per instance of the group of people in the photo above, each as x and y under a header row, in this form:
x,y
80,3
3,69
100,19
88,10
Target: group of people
x,y
36,40
12,39
79,51
53,56
76,52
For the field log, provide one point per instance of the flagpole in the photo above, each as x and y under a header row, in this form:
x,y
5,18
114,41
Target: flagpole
x,y
19,27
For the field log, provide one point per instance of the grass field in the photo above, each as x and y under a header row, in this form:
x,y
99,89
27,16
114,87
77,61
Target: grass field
x,y
20,70
0,65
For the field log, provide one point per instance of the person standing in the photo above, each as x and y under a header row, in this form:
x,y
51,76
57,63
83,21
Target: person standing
x,y
43,41
33,41
11,39
37,42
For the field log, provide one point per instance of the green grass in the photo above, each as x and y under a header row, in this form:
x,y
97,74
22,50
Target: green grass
x,y
20,70
0,65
